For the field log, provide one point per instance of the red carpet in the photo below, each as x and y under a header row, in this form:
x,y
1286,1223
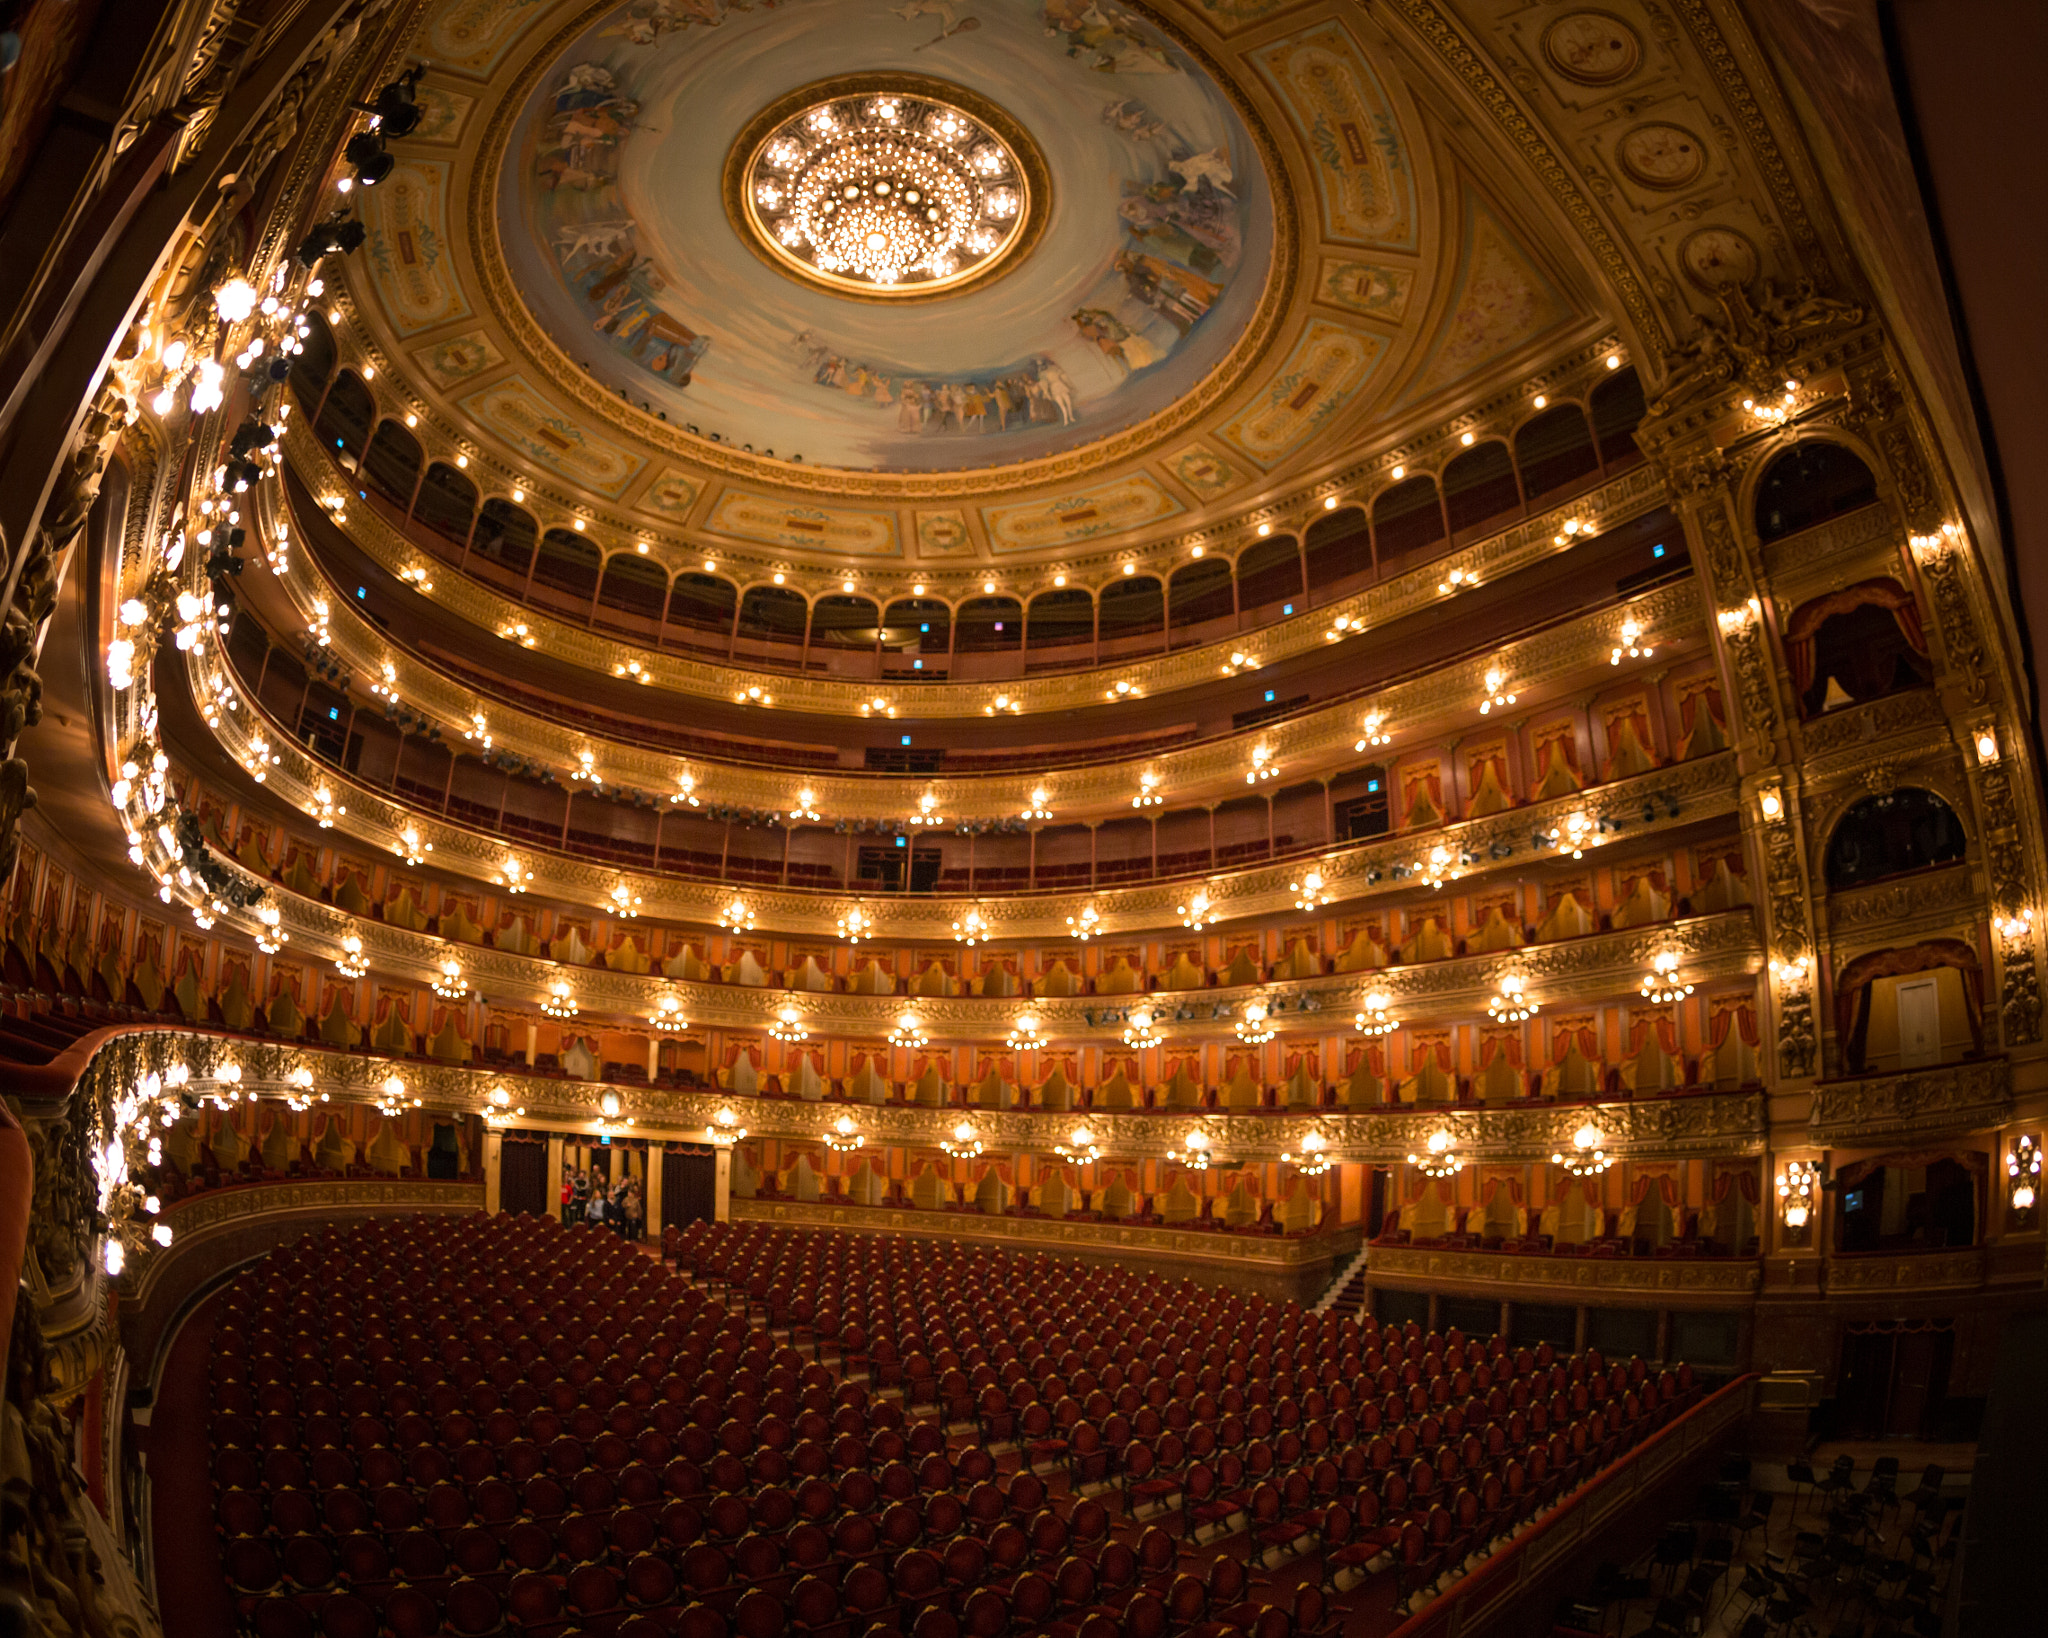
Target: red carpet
x,y
192,1594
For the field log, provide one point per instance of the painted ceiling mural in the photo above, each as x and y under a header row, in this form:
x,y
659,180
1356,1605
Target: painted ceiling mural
x,y
1246,238
1153,255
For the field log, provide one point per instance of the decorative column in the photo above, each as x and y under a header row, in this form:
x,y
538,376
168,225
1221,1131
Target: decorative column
x,y
494,1154
721,1207
650,1189
554,1195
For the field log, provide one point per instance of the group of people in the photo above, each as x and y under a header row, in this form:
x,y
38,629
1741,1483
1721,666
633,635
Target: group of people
x,y
588,1198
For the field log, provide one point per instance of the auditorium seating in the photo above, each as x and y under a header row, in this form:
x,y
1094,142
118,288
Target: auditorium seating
x,y
496,1424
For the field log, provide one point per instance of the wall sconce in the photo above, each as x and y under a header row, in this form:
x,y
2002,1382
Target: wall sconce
x,y
449,983
1497,696
1985,740
270,936
391,1099
1791,975
608,1109
513,874
1662,985
498,1109
1797,1185
1372,732
685,791
624,901
1770,803
410,847
725,1129
1631,645
928,811
1037,808
2023,1172
1148,792
806,805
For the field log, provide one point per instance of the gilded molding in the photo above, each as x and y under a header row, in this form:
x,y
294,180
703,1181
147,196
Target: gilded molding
x,y
1878,1109
1535,1278
1922,1271
1518,547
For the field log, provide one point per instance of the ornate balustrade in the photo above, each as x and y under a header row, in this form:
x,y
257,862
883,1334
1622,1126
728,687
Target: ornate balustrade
x,y
1693,1281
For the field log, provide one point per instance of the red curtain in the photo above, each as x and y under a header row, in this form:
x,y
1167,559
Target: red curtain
x,y
1808,618
1852,988
1666,1027
1564,1037
1741,1014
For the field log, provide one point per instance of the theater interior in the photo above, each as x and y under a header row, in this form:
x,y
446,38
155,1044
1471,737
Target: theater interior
x,y
1353,949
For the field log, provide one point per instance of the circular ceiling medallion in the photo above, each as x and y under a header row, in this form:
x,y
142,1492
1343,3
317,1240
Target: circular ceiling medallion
x,y
1662,156
1592,48
1715,257
887,187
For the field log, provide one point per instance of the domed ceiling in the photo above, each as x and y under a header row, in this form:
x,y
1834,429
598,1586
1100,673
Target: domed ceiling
x,y
662,259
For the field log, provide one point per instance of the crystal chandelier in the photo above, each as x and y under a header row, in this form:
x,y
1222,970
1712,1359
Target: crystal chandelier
x,y
560,1001
1193,1152
1080,1146
1084,925
1587,1158
1199,912
391,1100
498,1108
844,1135
891,192
352,963
668,1014
1026,1036
1314,1159
449,984
855,925
964,1144
1255,1028
737,917
1662,985
788,1027
725,1129
971,928
1796,1185
909,1033
1511,1003
1310,893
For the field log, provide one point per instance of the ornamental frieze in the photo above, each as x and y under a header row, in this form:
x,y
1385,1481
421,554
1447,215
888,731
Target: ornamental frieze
x,y
1967,1097
1918,1271
1865,542
1540,1277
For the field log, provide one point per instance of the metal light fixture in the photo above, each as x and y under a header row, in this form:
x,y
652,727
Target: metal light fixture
x,y
1630,646
855,925
1309,893
410,847
1139,1031
668,1014
513,874
1441,1158
928,811
788,1027
1148,791
1036,804
498,1109
1797,1185
1255,1028
971,928
1575,832
1497,697
909,1033
1376,1019
324,809
1511,1003
1200,911
725,1129
1315,1157
560,1001
2023,1172
685,793
1084,926
1263,766
844,1135
806,805
1025,1035
1080,1147
1587,1158
1661,985
391,1099
624,901
1372,732
352,962
449,984
270,936
737,916
1193,1152
964,1144
1438,866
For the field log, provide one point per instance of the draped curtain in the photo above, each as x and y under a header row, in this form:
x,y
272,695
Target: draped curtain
x,y
1804,627
1741,1014
1566,1036
1852,989
1664,1023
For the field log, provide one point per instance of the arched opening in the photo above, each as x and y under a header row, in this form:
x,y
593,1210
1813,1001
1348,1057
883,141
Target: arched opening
x,y
1339,553
313,363
1056,618
344,420
1893,834
702,602
1196,595
1359,803
1808,484
1618,409
565,571
989,625
1554,451
844,622
632,595
1480,489
1268,573
446,504
917,626
503,548
1859,643
1407,522
773,614
1910,1008
392,465
1133,608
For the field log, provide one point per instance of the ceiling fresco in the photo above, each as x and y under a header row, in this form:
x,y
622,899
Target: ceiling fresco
x,y
1254,241
1154,244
